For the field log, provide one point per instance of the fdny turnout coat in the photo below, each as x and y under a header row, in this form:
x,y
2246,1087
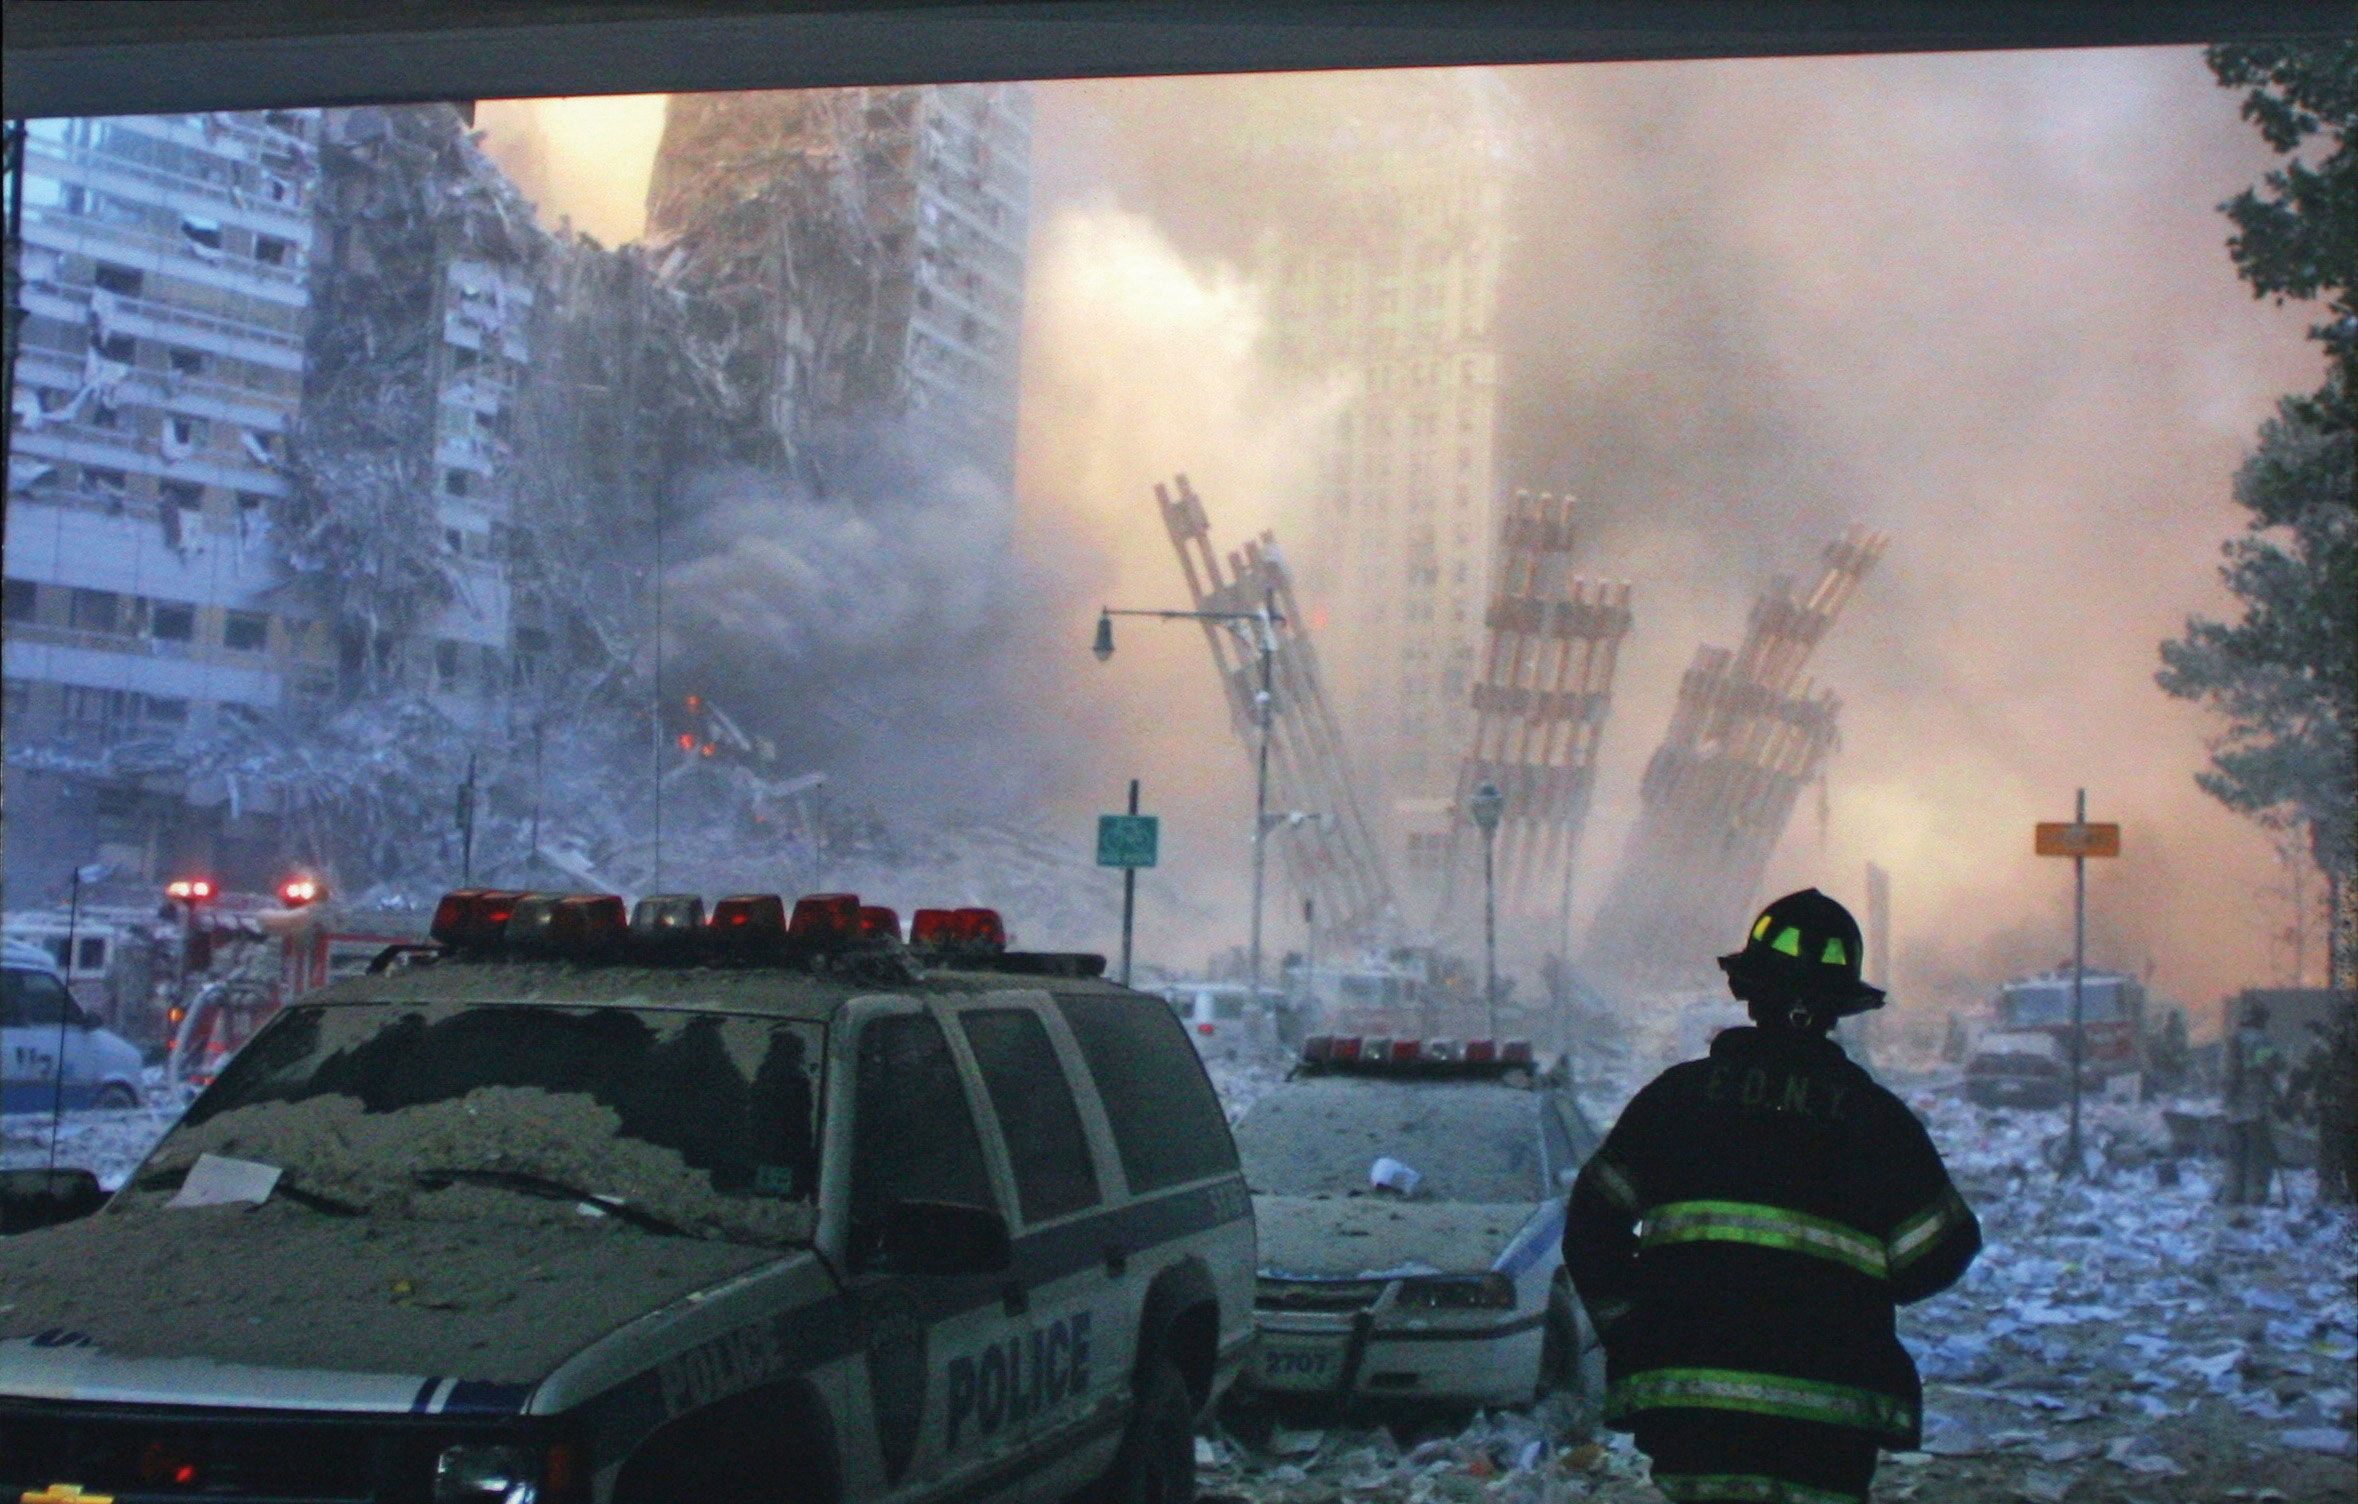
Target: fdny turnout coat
x,y
1744,1233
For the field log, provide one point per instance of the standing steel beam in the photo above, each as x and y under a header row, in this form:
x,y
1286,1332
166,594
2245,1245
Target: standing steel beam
x,y
1747,735
1330,854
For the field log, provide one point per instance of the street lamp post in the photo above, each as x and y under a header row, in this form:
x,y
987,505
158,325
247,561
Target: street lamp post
x,y
1487,805
1267,619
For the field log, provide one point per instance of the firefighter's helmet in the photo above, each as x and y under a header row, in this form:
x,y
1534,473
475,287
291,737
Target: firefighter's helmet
x,y
1805,946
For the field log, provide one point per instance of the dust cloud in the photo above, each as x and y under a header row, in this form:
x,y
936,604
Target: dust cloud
x,y
1980,301
583,161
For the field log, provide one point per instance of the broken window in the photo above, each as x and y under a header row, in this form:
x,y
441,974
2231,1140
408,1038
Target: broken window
x,y
181,493
455,483
446,665
245,631
118,347
272,251
106,480
172,621
92,610
201,232
187,362
167,711
23,600
123,281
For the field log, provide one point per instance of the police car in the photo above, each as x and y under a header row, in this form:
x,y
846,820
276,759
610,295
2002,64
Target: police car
x,y
578,1205
1410,1196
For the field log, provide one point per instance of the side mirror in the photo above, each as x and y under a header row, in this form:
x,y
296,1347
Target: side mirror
x,y
943,1237
44,1198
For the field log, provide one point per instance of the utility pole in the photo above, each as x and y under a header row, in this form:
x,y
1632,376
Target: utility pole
x,y
1265,703
1129,897
2078,840
1488,805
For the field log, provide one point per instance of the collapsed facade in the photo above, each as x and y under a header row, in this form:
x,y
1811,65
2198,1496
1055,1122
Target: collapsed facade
x,y
337,475
1748,734
853,255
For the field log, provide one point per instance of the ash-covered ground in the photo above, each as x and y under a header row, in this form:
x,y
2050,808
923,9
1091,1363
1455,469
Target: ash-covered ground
x,y
2122,1337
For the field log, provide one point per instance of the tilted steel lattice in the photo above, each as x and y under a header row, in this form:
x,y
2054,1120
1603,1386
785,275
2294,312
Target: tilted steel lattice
x,y
1747,735
1331,857
1540,708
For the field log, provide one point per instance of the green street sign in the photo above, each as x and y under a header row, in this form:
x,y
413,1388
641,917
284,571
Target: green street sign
x,y
1127,840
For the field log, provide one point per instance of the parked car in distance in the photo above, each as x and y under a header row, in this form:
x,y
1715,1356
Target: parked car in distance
x,y
1410,1195
52,1052
2017,1069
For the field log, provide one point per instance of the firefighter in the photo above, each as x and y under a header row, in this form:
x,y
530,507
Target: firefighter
x,y
1744,1233
2252,1068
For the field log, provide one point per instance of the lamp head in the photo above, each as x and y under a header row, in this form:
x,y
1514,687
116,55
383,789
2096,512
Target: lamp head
x,y
1103,646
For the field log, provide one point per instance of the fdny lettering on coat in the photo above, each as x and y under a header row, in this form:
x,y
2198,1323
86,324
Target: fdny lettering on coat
x,y
1007,1382
1795,1093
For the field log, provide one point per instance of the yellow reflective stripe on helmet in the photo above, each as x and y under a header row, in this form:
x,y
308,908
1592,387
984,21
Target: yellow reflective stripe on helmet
x,y
1614,1184
1763,1227
1835,955
1789,941
1760,930
1760,1394
1914,1238
1745,1488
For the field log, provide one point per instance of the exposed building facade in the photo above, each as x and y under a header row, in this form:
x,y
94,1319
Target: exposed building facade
x,y
166,292
856,254
1395,293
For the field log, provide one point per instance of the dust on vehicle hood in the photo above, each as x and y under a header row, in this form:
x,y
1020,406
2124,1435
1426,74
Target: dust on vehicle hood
x,y
1358,1237
279,1286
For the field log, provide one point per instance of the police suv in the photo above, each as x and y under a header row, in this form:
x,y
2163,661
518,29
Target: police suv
x,y
578,1205
1410,1196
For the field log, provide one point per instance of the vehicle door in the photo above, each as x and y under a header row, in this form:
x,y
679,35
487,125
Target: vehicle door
x,y
37,1019
915,1144
1071,1273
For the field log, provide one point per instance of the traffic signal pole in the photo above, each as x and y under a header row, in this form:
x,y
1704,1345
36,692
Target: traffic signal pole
x,y
2079,972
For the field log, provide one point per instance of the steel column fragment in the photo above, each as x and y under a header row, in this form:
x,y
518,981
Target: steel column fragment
x,y
1748,733
1331,858
1541,704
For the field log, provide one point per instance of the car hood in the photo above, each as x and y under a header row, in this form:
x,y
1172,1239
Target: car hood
x,y
279,1305
1362,1237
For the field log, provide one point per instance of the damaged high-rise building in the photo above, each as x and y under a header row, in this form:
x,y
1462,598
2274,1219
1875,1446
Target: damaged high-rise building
x,y
851,257
1386,281
398,526
167,268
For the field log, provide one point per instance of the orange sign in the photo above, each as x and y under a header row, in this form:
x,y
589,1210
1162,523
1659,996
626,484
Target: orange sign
x,y
2078,838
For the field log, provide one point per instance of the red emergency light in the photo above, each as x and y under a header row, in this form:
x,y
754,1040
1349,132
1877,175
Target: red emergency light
x,y
298,891
473,918
191,889
667,916
879,923
963,931
825,919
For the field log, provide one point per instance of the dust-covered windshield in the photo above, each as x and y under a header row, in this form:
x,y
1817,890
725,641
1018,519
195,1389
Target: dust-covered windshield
x,y
1463,1141
697,1124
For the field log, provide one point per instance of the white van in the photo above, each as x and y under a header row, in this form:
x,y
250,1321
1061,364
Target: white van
x,y
38,1019
1221,1018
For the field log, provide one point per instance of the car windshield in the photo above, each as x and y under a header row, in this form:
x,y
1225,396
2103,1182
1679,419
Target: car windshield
x,y
697,1124
1465,1141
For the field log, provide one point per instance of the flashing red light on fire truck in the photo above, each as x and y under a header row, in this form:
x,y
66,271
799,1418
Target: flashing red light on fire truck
x,y
295,892
191,889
